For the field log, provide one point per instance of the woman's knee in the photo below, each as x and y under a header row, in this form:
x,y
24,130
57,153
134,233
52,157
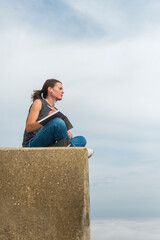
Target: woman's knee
x,y
79,141
57,122
83,141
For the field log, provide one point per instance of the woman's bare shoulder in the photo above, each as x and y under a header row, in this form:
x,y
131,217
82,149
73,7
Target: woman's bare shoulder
x,y
37,104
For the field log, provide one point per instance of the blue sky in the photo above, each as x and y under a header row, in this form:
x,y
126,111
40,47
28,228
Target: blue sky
x,y
107,55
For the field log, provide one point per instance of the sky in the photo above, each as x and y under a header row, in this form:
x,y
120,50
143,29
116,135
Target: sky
x,y
107,55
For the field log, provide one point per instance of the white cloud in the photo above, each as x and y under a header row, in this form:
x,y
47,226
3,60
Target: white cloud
x,y
120,18
105,13
125,230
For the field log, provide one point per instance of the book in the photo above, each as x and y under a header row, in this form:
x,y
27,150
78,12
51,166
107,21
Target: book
x,y
56,114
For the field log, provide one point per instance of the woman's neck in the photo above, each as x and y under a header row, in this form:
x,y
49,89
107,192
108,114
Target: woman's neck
x,y
50,101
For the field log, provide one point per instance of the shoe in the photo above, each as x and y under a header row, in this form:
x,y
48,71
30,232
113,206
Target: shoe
x,y
90,152
61,143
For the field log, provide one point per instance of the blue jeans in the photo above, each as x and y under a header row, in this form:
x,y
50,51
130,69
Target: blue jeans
x,y
53,131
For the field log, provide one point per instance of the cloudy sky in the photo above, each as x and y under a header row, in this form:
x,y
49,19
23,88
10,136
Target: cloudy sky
x,y
107,54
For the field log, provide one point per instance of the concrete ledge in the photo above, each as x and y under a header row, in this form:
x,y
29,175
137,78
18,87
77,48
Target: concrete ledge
x,y
44,194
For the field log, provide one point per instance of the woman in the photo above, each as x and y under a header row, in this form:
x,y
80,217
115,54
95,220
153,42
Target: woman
x,y
54,133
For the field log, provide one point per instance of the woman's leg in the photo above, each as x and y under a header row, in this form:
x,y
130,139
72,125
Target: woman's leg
x,y
78,141
53,131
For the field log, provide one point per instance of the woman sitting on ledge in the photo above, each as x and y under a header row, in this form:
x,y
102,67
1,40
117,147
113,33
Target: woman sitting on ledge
x,y
53,133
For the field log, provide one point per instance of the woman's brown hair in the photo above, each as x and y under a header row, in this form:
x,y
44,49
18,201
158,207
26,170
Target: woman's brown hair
x,y
43,93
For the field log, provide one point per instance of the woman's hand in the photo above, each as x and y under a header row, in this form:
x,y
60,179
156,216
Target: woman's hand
x,y
70,134
52,111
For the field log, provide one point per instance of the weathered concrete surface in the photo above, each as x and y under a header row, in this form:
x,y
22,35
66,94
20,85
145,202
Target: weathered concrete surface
x,y
44,194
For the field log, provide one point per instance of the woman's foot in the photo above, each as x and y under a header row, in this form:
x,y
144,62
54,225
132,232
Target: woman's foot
x,y
90,152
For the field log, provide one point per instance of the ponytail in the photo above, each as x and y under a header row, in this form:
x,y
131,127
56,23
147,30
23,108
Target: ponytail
x,y
36,95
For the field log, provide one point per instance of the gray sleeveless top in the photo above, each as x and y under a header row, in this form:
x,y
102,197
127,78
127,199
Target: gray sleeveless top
x,y
46,108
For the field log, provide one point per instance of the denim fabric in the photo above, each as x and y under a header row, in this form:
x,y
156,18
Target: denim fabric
x,y
53,131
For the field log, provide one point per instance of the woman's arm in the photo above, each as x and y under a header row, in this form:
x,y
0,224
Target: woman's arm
x,y
31,124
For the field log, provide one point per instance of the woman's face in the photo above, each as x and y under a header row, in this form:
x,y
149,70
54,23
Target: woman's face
x,y
57,91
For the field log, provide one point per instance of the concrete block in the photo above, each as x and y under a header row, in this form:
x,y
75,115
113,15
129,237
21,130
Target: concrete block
x,y
44,194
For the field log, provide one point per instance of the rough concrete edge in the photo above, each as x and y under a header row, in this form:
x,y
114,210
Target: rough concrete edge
x,y
41,148
86,210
